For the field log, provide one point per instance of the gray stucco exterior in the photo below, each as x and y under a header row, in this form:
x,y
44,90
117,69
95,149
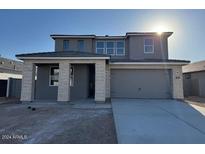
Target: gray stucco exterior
x,y
134,74
81,82
134,45
73,44
43,91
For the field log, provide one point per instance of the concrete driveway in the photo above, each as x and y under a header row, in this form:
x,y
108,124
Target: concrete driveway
x,y
157,121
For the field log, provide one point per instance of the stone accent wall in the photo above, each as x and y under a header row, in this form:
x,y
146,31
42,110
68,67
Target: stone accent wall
x,y
100,81
64,80
107,81
177,79
101,86
28,82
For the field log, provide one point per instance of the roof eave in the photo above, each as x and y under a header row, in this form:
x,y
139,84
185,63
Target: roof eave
x,y
150,63
148,33
60,58
71,36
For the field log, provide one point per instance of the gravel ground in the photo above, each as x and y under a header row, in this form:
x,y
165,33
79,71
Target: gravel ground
x,y
196,100
55,123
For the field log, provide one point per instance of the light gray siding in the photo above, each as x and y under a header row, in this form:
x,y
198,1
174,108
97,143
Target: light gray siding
x,y
133,83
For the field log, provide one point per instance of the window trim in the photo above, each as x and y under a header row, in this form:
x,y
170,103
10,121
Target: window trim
x,y
73,77
149,45
120,48
64,49
114,47
83,45
58,77
100,48
51,75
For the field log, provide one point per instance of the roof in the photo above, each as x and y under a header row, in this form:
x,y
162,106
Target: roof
x,y
10,66
10,60
194,67
149,60
60,54
54,36
88,55
149,33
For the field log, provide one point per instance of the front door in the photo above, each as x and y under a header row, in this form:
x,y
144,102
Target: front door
x,y
91,81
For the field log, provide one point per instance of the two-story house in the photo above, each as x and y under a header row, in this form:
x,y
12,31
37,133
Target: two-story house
x,y
100,67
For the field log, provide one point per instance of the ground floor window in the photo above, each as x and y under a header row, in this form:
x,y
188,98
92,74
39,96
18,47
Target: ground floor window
x,y
54,75
71,76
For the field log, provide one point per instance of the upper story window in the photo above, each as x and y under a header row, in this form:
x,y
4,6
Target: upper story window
x,y
80,45
110,47
116,48
148,45
100,46
66,45
120,48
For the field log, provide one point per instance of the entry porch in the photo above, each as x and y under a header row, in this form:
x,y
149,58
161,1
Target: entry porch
x,y
64,80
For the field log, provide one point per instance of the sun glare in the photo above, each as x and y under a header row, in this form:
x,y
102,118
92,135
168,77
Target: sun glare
x,y
160,29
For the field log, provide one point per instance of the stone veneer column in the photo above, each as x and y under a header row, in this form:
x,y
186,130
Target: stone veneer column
x,y
64,82
177,79
107,81
100,81
28,82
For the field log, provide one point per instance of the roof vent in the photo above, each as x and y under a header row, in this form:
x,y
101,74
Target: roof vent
x,y
106,35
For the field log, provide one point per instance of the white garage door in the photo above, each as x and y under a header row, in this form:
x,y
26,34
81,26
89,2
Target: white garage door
x,y
133,83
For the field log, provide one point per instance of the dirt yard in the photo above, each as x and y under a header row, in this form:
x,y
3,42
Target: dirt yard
x,y
55,123
196,100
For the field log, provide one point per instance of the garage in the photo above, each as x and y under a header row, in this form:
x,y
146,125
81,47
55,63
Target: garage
x,y
141,83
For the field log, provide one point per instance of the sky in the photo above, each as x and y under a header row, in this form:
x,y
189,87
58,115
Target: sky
x,y
25,31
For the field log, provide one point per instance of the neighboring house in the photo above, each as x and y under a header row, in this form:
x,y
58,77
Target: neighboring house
x,y
10,74
101,67
194,79
10,68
